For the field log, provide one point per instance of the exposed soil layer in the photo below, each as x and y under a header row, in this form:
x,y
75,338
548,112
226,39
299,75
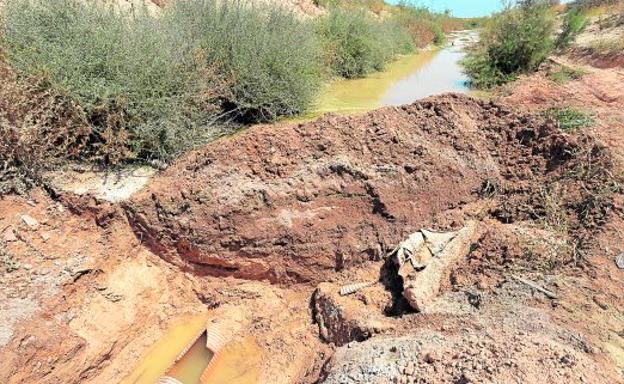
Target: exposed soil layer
x,y
294,203
82,301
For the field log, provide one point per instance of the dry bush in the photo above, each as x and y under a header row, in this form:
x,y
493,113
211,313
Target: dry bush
x,y
38,128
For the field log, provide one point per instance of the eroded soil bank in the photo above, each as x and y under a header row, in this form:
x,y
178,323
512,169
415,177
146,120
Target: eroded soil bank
x,y
264,227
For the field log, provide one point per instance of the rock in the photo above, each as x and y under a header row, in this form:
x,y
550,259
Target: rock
x,y
31,222
601,302
619,260
410,369
9,235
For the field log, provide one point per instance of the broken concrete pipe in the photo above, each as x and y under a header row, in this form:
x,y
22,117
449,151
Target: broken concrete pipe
x,y
219,332
425,257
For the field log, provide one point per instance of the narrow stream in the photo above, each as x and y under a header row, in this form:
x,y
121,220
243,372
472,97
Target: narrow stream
x,y
426,73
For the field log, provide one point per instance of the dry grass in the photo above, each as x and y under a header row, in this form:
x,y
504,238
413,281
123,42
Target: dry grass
x,y
601,10
608,45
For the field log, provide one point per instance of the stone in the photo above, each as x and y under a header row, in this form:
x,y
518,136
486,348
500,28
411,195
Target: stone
x,y
343,319
31,222
410,368
431,357
9,235
619,260
601,302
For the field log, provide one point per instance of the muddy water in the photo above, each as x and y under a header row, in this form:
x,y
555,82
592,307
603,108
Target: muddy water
x,y
193,364
163,354
429,72
238,363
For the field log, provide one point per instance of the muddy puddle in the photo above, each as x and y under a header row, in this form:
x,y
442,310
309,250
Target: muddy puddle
x,y
190,368
237,363
426,73
161,357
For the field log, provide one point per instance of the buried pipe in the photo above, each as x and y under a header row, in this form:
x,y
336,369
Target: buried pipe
x,y
219,332
168,380
215,342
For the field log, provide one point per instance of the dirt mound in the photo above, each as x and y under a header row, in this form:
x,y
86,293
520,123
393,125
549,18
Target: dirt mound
x,y
433,357
295,202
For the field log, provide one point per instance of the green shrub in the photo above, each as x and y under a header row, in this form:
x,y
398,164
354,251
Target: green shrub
x,y
570,119
515,41
159,84
425,26
574,23
270,59
355,44
136,86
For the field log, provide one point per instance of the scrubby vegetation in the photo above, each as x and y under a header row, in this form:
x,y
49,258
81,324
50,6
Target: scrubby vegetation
x,y
513,42
111,84
570,119
38,127
566,74
355,45
425,26
608,45
151,86
574,22
137,84
267,58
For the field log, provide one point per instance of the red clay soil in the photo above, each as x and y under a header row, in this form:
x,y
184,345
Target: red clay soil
x,y
293,203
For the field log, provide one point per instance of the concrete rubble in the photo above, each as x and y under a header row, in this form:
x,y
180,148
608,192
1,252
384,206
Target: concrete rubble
x,y
425,258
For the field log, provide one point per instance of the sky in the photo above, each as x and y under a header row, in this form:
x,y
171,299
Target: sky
x,y
461,8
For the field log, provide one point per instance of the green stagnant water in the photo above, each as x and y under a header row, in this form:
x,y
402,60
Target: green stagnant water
x,y
429,72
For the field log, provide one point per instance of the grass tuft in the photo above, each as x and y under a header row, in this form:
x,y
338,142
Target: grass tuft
x,y
566,74
570,119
